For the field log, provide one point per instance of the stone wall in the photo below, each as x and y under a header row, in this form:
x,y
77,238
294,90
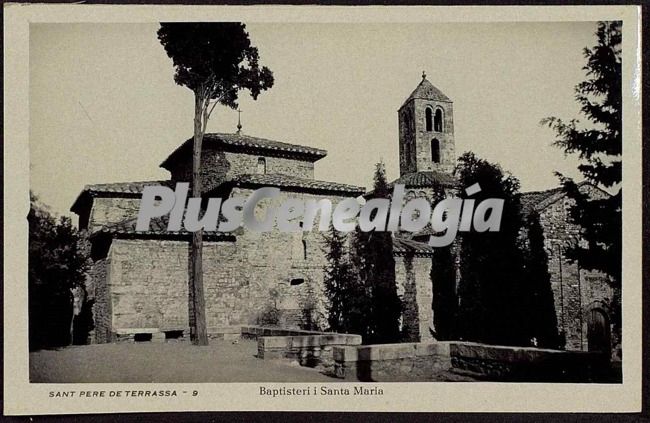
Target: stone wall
x,y
575,290
308,350
413,279
406,362
266,278
256,331
99,294
503,363
148,284
217,166
271,278
108,210
288,268
441,360
417,156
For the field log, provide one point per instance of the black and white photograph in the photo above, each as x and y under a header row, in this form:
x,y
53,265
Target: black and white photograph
x,y
319,209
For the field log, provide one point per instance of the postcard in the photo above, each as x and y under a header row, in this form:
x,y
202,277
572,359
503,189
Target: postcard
x,y
311,208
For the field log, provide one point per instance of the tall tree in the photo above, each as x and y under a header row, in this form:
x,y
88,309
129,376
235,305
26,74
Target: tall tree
x,y
56,272
598,145
443,280
377,270
341,286
215,61
492,290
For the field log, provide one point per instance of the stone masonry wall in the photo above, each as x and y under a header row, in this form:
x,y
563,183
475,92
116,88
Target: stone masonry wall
x,y
217,166
574,289
99,293
438,361
313,350
417,155
262,278
148,284
423,137
280,261
107,210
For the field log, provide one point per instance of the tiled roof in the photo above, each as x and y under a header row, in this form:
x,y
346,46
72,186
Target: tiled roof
x,y
426,90
122,189
426,179
287,181
403,246
539,200
530,200
246,142
157,227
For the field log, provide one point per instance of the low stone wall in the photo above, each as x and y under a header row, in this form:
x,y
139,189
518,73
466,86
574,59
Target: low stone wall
x,y
528,364
182,334
441,360
413,361
255,332
308,350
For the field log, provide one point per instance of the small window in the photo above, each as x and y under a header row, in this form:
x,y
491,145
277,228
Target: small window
x,y
435,151
437,126
429,119
261,165
304,249
297,281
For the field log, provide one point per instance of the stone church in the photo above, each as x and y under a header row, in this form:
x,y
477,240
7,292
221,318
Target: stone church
x,y
138,280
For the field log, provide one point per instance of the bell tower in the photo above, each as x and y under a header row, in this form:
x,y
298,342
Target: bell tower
x,y
426,131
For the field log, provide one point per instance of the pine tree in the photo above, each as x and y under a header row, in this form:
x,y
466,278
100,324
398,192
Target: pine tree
x,y
599,146
215,60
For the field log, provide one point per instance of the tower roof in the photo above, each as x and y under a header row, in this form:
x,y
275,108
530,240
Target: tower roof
x,y
427,91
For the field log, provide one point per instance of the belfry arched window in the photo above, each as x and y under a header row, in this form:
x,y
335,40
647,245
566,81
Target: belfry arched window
x,y
428,119
437,121
435,150
261,165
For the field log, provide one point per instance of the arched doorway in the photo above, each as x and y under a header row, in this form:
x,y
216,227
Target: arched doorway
x,y
598,331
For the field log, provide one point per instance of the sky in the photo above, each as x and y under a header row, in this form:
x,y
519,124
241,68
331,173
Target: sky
x,y
104,106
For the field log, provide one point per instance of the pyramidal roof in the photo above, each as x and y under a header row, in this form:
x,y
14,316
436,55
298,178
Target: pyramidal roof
x,y
427,91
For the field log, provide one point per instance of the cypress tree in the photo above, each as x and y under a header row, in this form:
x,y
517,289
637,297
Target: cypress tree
x,y
378,272
493,290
